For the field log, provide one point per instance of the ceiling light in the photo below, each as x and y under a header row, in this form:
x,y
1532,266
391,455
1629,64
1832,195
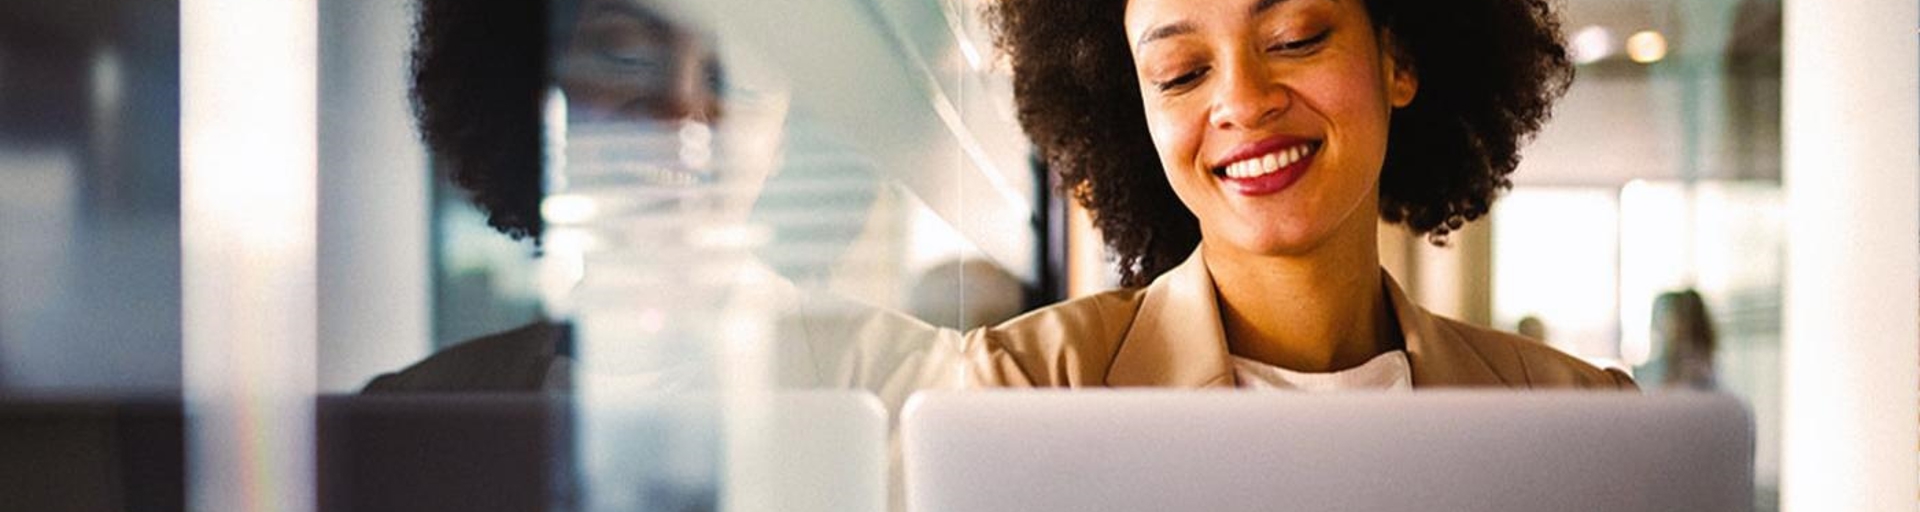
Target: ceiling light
x,y
1590,44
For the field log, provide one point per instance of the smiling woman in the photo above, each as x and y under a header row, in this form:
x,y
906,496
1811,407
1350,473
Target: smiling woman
x,y
1487,73
1239,155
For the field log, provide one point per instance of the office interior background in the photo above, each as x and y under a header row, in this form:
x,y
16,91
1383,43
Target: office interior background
x,y
1760,153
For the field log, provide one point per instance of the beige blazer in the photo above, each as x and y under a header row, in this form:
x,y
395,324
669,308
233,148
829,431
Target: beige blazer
x,y
1168,334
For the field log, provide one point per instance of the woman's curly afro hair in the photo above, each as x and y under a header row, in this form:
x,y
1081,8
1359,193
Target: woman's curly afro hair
x,y
480,76
1489,72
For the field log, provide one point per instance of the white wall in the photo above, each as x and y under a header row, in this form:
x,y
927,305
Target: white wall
x,y
1852,179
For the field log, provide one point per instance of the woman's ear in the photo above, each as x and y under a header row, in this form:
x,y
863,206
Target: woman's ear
x,y
1404,86
1403,82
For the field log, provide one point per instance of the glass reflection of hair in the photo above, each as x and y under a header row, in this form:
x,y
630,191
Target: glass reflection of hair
x,y
481,71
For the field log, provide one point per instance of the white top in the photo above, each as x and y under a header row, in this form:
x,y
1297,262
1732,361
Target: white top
x,y
1388,371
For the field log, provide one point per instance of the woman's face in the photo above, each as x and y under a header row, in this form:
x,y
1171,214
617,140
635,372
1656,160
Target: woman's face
x,y
644,96
1269,116
626,64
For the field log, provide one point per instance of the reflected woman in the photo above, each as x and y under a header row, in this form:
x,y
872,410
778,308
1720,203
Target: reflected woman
x,y
633,76
1238,156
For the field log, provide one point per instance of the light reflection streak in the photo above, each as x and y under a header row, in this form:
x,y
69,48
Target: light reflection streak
x,y
248,237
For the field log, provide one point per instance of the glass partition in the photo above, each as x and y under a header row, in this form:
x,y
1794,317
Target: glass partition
x,y
683,213
695,254
893,174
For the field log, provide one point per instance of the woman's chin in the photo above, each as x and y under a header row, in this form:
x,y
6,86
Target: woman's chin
x,y
1299,227
1274,242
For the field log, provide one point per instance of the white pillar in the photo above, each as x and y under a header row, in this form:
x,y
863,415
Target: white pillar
x,y
1851,433
247,232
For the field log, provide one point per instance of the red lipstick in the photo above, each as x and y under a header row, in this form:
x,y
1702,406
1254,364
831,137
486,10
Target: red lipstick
x,y
1286,159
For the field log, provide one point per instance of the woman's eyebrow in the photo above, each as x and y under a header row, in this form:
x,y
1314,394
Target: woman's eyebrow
x,y
1263,5
653,23
1183,27
1165,31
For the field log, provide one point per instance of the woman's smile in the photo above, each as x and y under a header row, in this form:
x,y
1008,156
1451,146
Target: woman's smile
x,y
1266,167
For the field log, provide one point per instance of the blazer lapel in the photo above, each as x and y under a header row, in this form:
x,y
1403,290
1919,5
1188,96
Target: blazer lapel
x,y
1440,358
1175,339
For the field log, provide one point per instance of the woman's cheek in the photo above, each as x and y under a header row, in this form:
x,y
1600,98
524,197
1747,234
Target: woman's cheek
x,y
1360,93
1166,138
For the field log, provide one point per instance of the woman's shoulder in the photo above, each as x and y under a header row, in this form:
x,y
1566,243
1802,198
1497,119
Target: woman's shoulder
x,y
1063,344
1525,362
511,361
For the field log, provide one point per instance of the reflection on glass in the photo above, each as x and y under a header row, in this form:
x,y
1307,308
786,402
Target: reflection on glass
x,y
708,244
651,165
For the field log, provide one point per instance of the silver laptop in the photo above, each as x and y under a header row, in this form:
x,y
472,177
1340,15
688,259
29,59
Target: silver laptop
x,y
1446,451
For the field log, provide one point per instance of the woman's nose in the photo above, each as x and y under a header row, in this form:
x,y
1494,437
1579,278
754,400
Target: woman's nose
x,y
1247,96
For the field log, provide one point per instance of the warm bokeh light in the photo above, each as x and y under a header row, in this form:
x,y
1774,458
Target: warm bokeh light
x,y
1590,44
1647,47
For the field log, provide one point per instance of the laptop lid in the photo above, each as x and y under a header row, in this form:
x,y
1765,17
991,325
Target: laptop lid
x,y
106,453
1482,451
793,451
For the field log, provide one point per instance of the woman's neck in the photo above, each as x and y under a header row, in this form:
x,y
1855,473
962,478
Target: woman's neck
x,y
1321,312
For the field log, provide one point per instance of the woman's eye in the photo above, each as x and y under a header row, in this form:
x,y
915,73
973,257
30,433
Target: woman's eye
x,y
1185,79
1300,45
618,56
625,47
632,57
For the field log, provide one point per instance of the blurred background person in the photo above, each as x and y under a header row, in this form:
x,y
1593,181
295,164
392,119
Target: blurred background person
x,y
1683,327
1532,327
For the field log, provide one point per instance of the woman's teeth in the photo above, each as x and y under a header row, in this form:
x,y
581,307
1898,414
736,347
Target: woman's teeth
x,y
1267,164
